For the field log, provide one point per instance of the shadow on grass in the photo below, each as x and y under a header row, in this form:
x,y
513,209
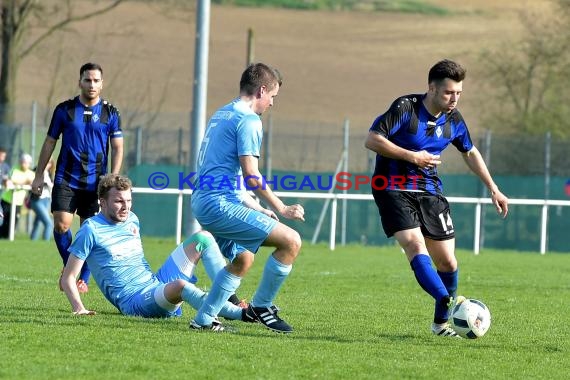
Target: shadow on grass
x,y
25,314
257,331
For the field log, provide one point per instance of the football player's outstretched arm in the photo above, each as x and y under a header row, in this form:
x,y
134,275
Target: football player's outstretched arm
x,y
69,286
116,154
47,149
477,165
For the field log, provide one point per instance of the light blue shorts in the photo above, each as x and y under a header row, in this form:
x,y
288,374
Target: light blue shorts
x,y
237,228
151,303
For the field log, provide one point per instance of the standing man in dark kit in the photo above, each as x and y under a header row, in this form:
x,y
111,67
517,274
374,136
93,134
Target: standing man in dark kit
x,y
89,125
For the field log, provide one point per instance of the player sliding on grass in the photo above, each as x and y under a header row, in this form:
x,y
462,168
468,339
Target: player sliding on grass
x,y
110,242
408,140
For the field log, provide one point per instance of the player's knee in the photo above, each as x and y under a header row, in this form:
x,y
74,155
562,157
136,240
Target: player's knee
x,y
413,246
173,290
198,242
60,227
179,284
241,264
446,264
205,235
294,242
62,222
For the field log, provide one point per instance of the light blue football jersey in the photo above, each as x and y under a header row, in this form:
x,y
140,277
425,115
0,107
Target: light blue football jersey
x,y
233,131
115,256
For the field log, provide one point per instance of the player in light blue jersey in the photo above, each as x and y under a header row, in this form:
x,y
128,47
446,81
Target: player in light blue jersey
x,y
110,242
230,150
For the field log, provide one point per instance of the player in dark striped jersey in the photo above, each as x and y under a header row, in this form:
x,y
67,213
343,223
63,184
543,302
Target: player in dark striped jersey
x,y
88,126
408,140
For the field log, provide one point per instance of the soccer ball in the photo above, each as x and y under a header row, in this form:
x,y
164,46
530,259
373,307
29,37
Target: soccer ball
x,y
471,318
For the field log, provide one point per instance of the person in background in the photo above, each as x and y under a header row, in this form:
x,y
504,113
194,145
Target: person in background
x,y
408,140
89,125
4,168
4,172
41,205
19,176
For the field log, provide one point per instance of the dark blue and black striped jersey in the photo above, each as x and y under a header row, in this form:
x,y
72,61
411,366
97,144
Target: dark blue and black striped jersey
x,y
408,124
86,132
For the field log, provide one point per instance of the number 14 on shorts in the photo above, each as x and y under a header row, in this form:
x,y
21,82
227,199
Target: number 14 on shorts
x,y
446,223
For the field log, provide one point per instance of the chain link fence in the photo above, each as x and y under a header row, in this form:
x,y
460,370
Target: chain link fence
x,y
164,138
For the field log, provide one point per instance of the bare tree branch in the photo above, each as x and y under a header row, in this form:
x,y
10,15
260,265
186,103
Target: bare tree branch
x,y
23,12
68,20
531,75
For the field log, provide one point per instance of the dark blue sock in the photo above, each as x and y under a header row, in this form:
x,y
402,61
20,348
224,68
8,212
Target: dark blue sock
x,y
85,273
63,241
429,281
449,280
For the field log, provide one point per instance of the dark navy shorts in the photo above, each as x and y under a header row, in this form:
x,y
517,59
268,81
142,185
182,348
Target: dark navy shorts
x,y
64,198
404,210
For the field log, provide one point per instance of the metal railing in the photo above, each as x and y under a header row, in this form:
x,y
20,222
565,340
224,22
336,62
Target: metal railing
x,y
12,220
334,198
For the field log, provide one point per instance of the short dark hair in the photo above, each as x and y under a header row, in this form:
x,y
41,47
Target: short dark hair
x,y
446,69
110,181
257,75
88,67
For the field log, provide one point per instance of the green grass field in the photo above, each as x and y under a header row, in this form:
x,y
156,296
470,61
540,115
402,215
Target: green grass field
x,y
358,313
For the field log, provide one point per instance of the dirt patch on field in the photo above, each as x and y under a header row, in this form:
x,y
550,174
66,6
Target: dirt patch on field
x,y
336,65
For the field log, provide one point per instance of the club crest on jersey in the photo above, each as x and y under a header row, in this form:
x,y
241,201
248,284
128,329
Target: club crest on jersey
x,y
95,118
438,131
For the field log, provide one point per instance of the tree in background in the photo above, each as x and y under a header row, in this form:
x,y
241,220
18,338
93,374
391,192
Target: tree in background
x,y
26,24
529,80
